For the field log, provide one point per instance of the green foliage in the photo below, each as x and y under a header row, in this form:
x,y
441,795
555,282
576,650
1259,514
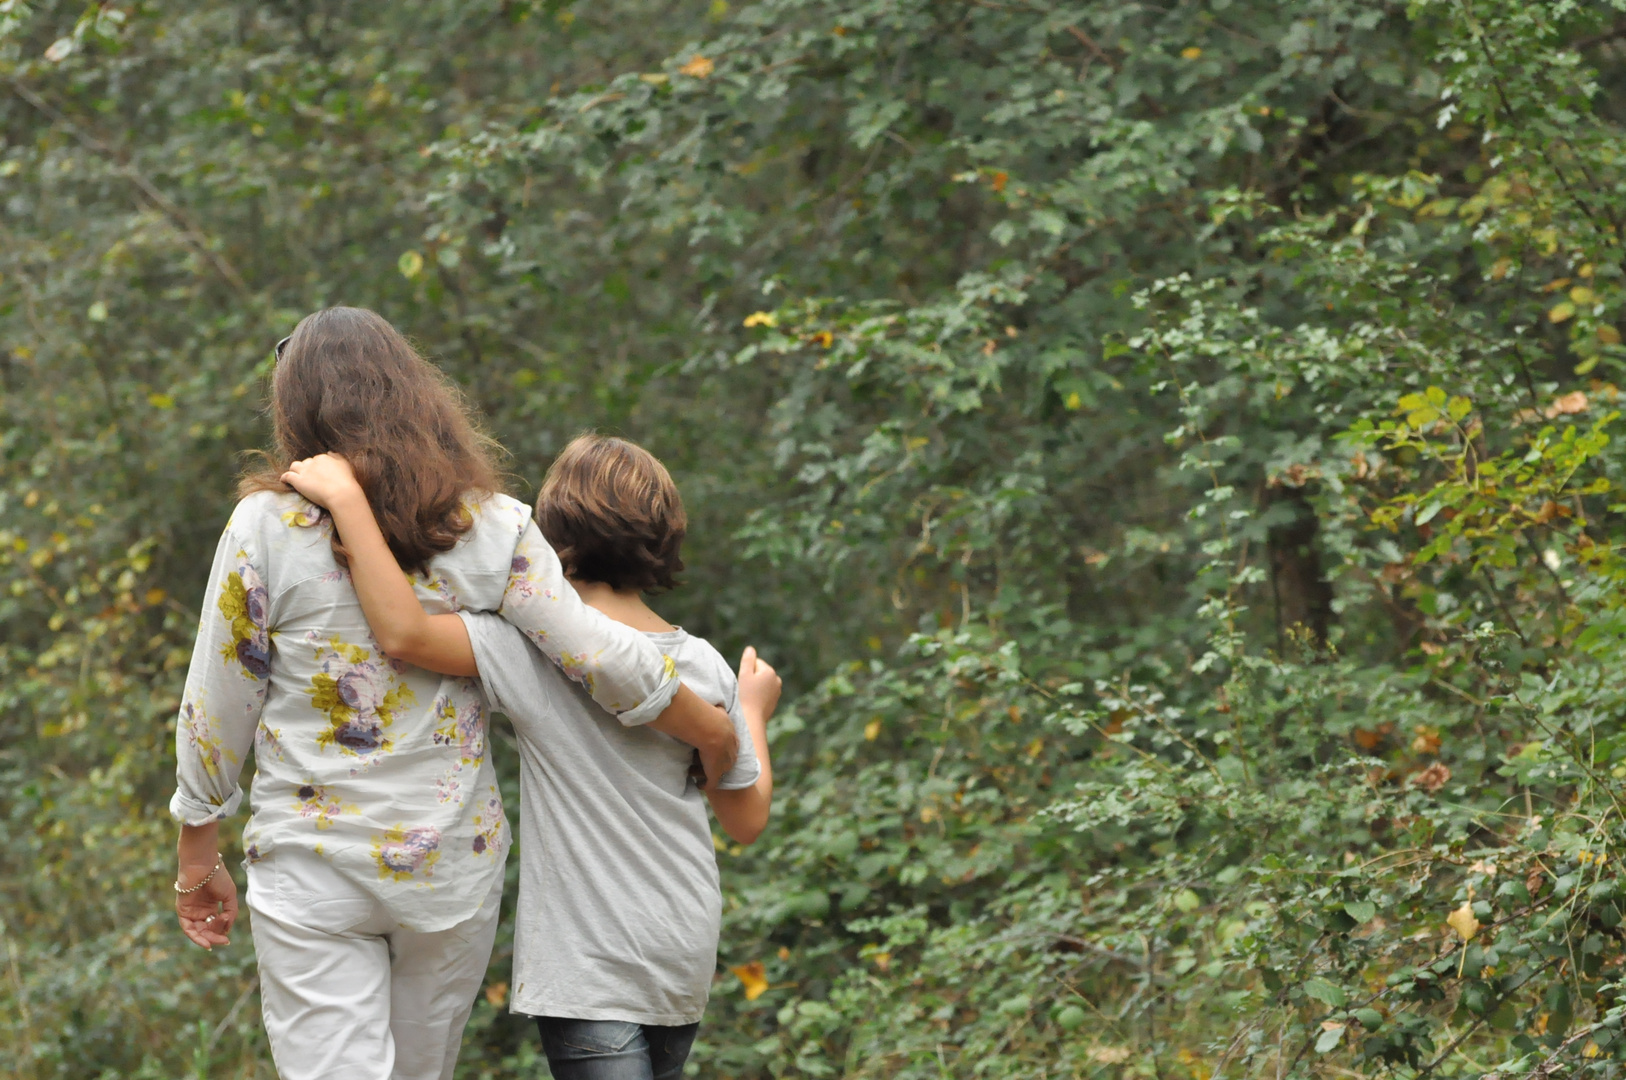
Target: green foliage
x,y
1170,450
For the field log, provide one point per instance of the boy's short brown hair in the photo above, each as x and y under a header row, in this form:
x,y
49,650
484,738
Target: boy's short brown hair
x,y
613,514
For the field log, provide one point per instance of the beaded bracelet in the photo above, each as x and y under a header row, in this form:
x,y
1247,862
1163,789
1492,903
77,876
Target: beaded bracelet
x,y
201,884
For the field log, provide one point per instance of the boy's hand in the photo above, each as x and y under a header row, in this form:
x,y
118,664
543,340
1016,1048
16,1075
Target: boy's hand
x,y
325,479
759,684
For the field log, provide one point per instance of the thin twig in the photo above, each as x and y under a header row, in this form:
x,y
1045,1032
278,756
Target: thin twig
x,y
190,232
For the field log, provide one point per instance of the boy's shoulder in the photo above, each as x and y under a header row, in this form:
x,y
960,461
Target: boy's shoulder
x,y
698,661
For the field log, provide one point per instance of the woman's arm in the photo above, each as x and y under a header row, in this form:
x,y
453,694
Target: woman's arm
x,y
441,642
743,813
220,708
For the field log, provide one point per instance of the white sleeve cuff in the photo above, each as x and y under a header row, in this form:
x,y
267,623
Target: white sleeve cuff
x,y
656,703
191,811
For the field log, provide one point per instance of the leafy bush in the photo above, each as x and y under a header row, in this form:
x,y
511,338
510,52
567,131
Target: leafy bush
x,y
1171,450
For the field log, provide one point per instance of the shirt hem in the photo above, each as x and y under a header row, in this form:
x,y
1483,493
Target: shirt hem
x,y
534,1007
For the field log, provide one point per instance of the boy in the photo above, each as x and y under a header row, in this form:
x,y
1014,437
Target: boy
x,y
609,811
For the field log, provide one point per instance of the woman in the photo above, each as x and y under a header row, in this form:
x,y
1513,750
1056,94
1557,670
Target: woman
x,y
376,844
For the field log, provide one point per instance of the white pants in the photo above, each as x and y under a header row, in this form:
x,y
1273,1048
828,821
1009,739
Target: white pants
x,y
348,993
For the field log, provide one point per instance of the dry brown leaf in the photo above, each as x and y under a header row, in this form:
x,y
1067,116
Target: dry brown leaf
x,y
1433,778
698,68
1572,402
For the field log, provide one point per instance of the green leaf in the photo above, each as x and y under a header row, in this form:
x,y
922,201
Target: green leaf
x,y
1362,911
1325,992
1186,900
1330,1038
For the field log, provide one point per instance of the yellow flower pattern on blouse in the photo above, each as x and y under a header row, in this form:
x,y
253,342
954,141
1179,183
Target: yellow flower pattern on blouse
x,y
403,853
317,803
358,694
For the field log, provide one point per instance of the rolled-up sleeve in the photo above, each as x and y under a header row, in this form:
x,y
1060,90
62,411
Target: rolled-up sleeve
x,y
225,687
620,667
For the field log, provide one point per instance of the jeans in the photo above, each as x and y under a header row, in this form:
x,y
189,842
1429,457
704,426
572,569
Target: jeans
x,y
614,1049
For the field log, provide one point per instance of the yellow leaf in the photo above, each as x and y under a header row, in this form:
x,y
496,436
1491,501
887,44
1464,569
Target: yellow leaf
x,y
784,952
497,994
1421,418
653,78
1560,312
410,264
1464,922
883,960
1191,52
1608,335
160,401
761,318
754,977
1582,295
698,68
1074,401
155,597
872,730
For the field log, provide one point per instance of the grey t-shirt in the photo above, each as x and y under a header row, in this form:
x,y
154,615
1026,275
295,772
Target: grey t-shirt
x,y
619,906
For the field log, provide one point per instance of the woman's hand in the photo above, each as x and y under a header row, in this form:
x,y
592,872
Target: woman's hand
x,y
759,685
206,915
325,479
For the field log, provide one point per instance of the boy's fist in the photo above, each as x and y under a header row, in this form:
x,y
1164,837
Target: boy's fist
x,y
759,684
323,479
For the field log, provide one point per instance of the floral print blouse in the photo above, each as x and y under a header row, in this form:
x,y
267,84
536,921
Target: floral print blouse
x,y
380,767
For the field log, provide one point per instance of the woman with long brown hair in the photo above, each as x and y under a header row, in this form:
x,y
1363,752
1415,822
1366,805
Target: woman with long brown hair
x,y
375,849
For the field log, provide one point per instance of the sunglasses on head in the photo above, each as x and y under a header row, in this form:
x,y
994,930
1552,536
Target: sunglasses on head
x,y
283,344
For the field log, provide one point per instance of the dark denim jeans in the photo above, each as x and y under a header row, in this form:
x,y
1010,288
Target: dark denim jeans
x,y
614,1049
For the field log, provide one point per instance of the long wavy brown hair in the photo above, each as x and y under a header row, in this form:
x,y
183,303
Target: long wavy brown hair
x,y
348,383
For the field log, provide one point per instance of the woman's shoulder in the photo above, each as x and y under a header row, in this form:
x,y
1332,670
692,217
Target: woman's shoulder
x,y
261,511
496,514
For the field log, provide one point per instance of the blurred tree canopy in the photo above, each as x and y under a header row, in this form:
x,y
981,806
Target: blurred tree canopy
x,y
1167,446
